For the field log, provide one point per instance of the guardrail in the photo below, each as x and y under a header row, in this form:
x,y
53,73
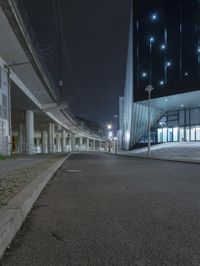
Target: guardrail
x,y
23,148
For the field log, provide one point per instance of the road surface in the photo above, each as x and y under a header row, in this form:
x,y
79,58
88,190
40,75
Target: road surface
x,y
105,210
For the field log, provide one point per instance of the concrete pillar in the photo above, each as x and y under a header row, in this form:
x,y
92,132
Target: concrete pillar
x,y
21,139
38,146
44,141
29,118
58,143
81,143
51,135
100,146
94,148
87,144
63,140
69,141
73,142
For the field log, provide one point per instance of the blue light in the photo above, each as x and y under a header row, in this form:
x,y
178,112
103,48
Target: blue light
x,y
144,74
162,47
154,17
198,50
161,82
186,74
151,39
168,64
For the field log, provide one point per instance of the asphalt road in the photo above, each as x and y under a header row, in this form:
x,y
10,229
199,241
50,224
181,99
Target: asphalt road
x,y
103,210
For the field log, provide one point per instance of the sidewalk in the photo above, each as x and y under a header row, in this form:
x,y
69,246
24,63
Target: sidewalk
x,y
180,151
20,188
8,165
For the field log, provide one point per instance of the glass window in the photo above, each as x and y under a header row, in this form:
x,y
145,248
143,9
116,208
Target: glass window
x,y
182,117
164,134
160,135
187,134
175,134
197,133
182,138
170,134
193,129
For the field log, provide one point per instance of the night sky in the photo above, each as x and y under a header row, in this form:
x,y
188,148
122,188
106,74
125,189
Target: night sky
x,y
94,59
94,49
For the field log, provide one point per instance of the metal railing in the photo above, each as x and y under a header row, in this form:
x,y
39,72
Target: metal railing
x,y
23,148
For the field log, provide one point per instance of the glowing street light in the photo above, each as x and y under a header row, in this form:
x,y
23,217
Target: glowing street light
x,y
109,126
162,82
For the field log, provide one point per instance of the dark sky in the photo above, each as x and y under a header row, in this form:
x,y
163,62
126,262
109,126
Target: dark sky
x,y
94,49
94,59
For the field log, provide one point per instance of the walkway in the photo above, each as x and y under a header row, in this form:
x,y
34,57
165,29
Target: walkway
x,y
105,210
183,151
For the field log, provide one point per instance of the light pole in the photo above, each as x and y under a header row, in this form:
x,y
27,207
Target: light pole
x,y
149,89
115,142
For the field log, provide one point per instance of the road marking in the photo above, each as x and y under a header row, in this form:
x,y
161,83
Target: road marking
x,y
74,171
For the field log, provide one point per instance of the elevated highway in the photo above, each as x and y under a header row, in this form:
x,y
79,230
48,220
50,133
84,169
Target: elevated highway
x,y
32,118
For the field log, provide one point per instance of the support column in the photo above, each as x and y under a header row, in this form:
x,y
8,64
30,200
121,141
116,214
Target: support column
x,y
100,147
58,143
87,144
81,143
73,141
63,140
51,135
94,148
69,143
44,141
21,139
29,117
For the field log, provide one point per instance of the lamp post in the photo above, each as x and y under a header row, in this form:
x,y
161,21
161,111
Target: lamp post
x,y
149,89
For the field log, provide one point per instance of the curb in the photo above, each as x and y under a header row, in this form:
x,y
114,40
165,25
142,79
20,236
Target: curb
x,y
155,158
14,213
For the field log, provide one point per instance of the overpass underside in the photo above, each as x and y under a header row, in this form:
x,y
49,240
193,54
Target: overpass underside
x,y
32,117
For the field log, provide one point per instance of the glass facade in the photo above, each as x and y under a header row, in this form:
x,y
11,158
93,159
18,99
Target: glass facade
x,y
179,125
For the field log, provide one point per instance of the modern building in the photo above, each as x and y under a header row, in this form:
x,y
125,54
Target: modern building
x,y
164,52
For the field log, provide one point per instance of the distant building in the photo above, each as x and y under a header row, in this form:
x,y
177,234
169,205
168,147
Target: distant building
x,y
163,51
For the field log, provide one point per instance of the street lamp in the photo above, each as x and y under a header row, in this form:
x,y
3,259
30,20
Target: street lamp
x,y
109,126
149,89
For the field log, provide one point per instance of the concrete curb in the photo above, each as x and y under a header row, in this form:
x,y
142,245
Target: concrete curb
x,y
14,213
155,158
